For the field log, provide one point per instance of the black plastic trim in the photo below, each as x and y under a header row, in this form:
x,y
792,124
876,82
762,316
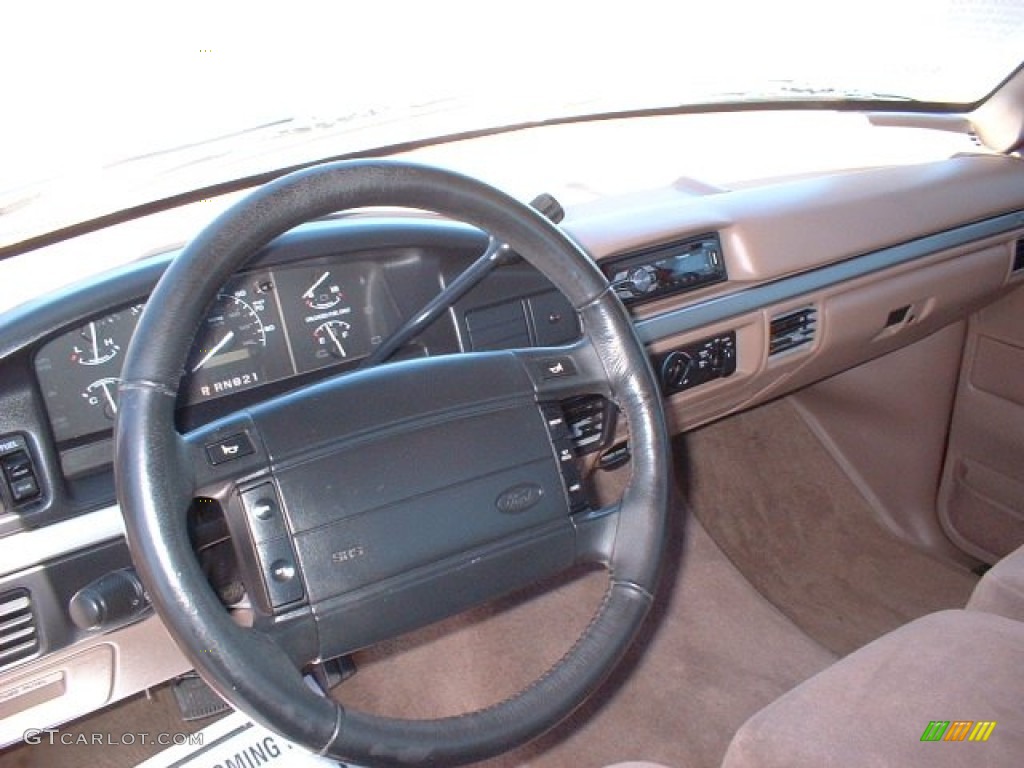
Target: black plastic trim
x,y
52,585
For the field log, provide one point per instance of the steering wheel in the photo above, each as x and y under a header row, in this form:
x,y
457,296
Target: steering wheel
x,y
376,502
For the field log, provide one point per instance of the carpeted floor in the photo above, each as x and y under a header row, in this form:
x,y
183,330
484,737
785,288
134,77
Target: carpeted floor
x,y
714,653
785,514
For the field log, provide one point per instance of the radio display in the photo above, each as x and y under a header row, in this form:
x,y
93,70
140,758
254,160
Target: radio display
x,y
674,268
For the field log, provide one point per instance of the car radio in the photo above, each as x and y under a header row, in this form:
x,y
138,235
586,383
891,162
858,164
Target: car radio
x,y
667,269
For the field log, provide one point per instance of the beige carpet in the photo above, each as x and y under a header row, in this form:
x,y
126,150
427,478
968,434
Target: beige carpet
x,y
714,653
782,510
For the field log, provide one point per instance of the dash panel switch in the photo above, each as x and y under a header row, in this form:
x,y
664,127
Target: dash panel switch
x,y
18,472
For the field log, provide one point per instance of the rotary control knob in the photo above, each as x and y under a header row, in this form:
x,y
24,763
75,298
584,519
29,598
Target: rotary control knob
x,y
676,370
716,356
643,279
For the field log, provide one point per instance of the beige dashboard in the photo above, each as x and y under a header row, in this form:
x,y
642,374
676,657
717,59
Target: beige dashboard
x,y
882,257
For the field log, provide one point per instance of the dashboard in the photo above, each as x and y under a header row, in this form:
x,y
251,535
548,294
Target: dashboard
x,y
740,297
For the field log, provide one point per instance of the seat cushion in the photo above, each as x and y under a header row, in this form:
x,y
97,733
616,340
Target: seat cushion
x,y
874,707
1001,590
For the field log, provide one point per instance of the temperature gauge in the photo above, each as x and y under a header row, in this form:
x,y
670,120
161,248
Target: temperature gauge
x,y
332,337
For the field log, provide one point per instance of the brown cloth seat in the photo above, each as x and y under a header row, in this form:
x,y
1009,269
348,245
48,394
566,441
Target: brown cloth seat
x,y
1001,590
874,707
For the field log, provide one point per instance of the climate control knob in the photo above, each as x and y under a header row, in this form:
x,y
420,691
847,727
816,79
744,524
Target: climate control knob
x,y
676,369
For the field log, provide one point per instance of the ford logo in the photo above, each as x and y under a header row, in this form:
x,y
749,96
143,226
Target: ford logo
x,y
518,498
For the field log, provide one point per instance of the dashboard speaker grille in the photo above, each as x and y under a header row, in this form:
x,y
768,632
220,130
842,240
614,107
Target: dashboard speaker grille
x,y
19,636
792,329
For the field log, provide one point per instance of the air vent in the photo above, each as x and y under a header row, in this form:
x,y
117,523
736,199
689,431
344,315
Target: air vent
x,y
19,639
792,329
1018,256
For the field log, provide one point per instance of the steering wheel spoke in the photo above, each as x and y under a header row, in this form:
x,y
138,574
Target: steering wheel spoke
x,y
595,534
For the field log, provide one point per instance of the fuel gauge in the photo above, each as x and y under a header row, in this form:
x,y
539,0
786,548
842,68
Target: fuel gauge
x,y
335,311
331,338
324,293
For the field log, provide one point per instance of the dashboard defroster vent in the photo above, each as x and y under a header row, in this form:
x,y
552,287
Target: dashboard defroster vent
x,y
1018,256
792,329
19,637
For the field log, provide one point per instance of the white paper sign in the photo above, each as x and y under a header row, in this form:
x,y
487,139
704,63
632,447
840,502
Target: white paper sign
x,y
237,742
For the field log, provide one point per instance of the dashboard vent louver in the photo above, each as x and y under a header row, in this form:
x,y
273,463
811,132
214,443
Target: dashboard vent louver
x,y
792,329
19,637
1018,256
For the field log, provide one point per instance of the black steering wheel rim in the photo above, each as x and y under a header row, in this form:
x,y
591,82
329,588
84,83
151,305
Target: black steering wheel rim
x,y
155,474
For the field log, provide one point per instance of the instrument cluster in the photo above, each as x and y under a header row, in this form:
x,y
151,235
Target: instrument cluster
x,y
264,326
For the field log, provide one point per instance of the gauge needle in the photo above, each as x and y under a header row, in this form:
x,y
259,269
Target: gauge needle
x,y
330,332
309,293
217,348
95,343
110,399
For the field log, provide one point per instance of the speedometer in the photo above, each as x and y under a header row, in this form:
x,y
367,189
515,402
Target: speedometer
x,y
234,332
240,344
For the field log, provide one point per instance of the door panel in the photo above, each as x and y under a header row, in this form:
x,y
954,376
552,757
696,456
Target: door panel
x,y
981,501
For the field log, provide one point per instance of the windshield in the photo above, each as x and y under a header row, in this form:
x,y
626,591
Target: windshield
x,y
112,105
